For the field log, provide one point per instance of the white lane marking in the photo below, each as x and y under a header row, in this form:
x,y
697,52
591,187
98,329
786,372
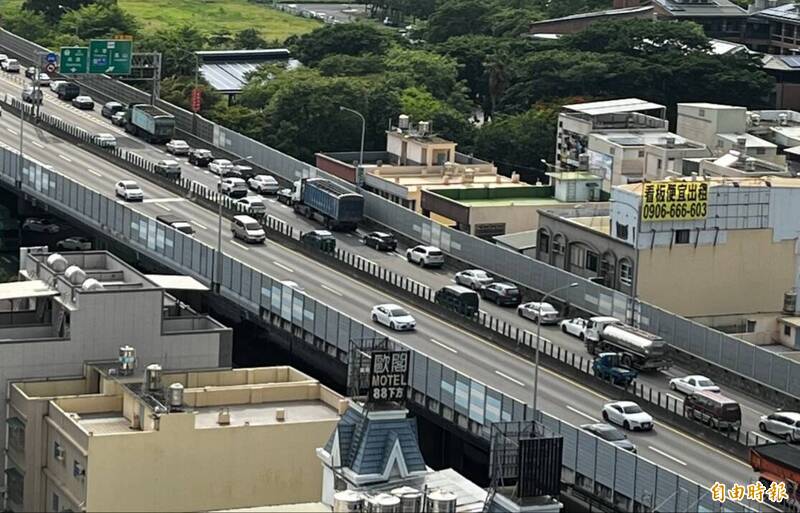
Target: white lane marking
x,y
762,435
503,375
332,290
398,255
206,172
284,206
95,173
444,346
199,225
12,131
164,200
664,454
349,235
283,266
241,246
162,206
37,144
64,157
575,410
271,200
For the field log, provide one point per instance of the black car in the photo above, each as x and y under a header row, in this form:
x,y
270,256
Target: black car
x,y
322,240
200,157
610,434
111,108
502,293
381,241
83,103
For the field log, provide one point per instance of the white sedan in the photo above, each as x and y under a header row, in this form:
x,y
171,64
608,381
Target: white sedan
x,y
691,384
628,415
129,190
475,279
534,310
264,184
393,316
105,140
575,327
220,166
178,147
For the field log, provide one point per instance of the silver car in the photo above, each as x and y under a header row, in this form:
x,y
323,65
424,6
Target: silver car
x,y
785,424
534,310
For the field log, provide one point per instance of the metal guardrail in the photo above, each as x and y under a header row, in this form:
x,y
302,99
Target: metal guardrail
x,y
760,372
590,465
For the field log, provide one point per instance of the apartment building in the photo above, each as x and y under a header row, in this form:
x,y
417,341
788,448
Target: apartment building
x,y
709,249
122,438
719,18
83,305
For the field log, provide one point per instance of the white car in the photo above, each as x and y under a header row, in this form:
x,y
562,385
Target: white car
x,y
105,140
785,424
44,79
628,415
74,244
264,184
575,327
473,278
691,384
293,285
129,190
426,256
534,310
253,205
10,65
393,316
178,147
233,187
55,83
220,166
3,57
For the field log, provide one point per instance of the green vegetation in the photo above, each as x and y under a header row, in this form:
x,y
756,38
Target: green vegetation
x,y
460,58
217,16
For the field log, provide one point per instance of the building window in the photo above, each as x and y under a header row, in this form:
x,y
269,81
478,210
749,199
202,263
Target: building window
x,y
702,112
58,452
611,151
558,245
16,434
56,502
761,151
787,330
622,231
681,236
641,153
15,486
625,272
77,470
658,164
577,256
591,261
544,242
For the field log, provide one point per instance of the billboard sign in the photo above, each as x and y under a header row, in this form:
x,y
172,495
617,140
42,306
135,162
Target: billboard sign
x,y
388,376
674,200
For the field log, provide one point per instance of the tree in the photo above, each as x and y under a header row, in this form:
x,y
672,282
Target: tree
x,y
98,20
249,39
351,65
437,73
662,39
458,18
345,39
518,142
28,25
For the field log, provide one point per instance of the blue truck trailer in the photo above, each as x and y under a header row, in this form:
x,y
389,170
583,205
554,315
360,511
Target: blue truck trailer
x,y
333,205
150,123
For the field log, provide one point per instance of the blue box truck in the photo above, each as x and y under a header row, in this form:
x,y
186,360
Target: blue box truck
x,y
331,204
150,123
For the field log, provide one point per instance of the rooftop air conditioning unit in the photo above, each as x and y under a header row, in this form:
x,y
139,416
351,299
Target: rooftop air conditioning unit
x,y
783,119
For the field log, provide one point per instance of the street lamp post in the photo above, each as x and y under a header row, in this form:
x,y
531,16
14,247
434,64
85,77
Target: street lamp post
x,y
538,339
363,131
21,139
218,267
77,20
196,84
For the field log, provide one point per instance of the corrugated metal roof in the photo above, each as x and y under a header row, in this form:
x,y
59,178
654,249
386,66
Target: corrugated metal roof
x,y
612,106
227,77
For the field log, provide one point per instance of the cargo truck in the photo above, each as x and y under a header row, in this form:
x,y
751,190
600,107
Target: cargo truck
x,y
778,463
331,204
637,348
150,123
607,366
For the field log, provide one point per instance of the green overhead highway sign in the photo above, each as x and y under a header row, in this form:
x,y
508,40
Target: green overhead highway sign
x,y
110,56
74,60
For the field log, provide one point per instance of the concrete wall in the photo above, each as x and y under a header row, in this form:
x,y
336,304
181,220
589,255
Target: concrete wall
x,y
748,273
179,468
701,124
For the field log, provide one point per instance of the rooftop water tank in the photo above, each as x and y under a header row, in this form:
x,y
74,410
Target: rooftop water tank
x,y
90,284
790,302
175,395
75,275
57,263
152,377
348,501
440,501
127,360
382,503
410,499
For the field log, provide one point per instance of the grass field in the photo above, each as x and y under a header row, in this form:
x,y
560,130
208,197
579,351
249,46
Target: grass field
x,y
218,15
